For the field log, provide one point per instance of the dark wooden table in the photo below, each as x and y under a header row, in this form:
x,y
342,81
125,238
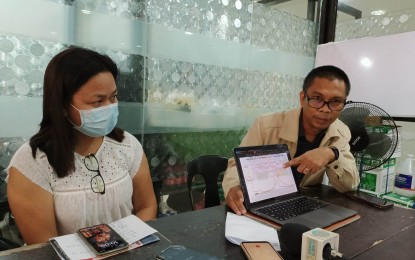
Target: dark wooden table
x,y
372,236
379,234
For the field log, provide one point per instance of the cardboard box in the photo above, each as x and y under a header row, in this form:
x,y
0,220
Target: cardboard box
x,y
399,199
398,148
389,163
378,181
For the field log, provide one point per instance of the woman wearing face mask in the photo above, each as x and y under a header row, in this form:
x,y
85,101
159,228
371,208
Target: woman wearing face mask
x,y
79,170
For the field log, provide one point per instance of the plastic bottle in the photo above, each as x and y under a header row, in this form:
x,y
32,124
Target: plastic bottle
x,y
405,178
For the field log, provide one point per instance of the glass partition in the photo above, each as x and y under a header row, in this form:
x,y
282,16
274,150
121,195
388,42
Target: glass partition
x,y
193,74
358,19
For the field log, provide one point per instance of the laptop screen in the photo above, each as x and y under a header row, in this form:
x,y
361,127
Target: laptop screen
x,y
261,172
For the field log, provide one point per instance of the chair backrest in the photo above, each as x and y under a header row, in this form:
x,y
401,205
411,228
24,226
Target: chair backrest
x,y
209,167
6,244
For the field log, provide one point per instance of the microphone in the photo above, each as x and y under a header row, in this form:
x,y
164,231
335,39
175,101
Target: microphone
x,y
290,237
297,240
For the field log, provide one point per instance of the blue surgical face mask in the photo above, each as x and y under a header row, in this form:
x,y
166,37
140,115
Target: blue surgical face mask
x,y
98,121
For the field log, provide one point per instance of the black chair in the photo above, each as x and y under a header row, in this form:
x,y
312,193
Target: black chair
x,y
6,244
209,167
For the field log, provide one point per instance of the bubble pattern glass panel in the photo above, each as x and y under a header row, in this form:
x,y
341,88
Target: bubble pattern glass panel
x,y
8,146
239,21
130,79
381,25
223,19
178,82
278,30
168,154
130,9
23,62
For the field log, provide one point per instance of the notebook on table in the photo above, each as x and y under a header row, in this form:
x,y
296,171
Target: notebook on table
x,y
271,192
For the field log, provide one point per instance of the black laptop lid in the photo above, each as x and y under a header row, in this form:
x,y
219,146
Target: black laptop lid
x,y
262,177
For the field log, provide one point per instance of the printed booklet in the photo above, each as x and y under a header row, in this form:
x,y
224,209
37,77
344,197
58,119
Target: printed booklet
x,y
101,241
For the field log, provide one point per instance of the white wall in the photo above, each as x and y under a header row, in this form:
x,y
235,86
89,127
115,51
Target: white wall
x,y
380,70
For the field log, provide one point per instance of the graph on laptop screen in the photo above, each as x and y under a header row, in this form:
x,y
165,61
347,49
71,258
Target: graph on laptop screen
x,y
265,176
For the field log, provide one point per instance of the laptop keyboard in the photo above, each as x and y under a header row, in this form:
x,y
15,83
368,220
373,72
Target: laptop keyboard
x,y
292,208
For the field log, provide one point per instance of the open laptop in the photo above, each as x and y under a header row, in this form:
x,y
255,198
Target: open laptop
x,y
271,192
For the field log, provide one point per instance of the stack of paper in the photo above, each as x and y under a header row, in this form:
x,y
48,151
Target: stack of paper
x,y
240,228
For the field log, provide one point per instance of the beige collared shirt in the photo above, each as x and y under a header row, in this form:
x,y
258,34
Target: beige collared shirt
x,y
282,128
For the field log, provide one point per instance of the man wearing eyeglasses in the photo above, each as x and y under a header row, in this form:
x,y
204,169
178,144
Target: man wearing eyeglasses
x,y
317,140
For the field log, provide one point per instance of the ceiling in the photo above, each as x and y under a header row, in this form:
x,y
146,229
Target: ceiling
x,y
299,7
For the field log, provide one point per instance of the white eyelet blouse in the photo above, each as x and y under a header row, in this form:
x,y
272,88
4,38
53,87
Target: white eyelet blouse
x,y
75,204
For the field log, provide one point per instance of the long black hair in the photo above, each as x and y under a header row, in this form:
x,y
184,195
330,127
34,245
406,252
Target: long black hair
x,y
64,75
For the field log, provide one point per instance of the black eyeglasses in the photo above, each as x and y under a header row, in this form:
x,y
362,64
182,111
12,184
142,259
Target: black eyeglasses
x,y
97,182
316,102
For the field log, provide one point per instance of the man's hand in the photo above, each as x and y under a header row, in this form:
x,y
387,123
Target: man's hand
x,y
312,161
235,200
